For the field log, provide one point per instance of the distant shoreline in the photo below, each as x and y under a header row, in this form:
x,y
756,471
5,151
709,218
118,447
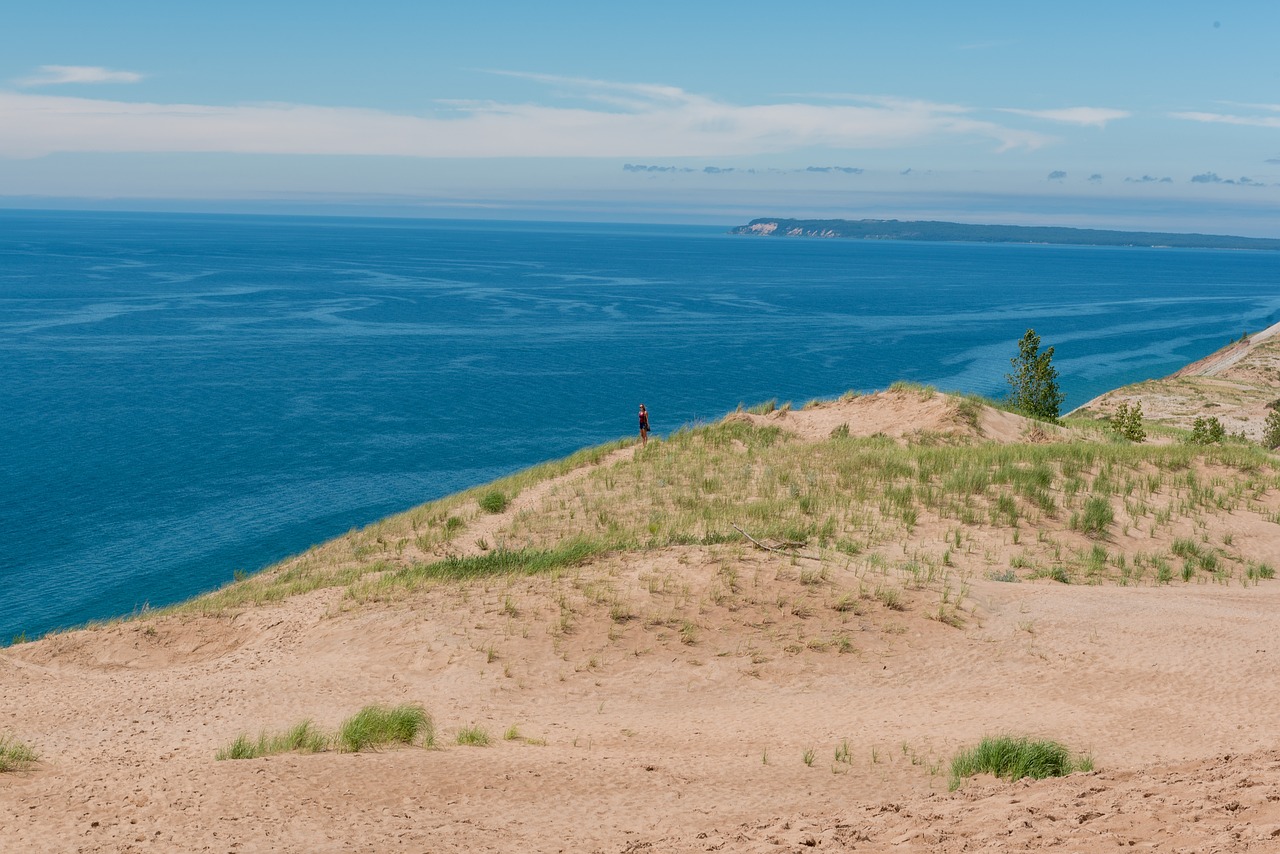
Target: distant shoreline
x,y
956,232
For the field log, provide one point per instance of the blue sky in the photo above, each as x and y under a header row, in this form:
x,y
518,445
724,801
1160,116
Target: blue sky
x,y
1122,114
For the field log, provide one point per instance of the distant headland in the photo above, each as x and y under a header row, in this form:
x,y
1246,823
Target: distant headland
x,y
958,232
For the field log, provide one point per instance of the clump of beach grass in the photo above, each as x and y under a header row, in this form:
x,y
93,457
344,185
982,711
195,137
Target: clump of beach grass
x,y
376,726
473,736
15,755
302,737
1014,758
494,501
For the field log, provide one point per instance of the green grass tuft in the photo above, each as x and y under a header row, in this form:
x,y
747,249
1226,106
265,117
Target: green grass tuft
x,y
1096,517
494,501
15,756
377,726
301,738
504,561
1014,758
473,736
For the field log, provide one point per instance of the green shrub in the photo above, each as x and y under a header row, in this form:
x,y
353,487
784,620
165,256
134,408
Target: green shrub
x,y
1207,431
1271,430
494,501
1015,758
1127,422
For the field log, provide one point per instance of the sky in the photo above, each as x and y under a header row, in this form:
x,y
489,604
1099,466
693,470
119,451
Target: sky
x,y
1159,116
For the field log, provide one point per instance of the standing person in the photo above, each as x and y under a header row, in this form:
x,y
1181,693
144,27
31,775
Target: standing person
x,y
644,426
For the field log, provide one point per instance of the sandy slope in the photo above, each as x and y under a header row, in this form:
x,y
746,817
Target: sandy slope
x,y
1235,385
652,742
665,701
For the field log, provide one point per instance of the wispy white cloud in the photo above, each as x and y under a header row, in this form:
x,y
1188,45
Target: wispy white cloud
x,y
1268,118
53,75
1085,116
608,119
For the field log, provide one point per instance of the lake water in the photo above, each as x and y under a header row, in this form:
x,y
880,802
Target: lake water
x,y
185,396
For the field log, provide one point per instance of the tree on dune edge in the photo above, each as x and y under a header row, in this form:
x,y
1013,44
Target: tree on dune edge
x,y
1033,384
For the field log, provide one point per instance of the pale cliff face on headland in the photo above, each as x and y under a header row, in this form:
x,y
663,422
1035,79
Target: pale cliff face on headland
x,y
892,229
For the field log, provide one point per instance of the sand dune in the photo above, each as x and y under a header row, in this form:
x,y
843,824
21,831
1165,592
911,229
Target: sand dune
x,y
1237,385
705,697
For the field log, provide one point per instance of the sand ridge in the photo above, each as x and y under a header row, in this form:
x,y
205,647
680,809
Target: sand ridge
x,y
907,415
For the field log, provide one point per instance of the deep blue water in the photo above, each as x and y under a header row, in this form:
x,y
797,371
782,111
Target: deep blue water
x,y
185,396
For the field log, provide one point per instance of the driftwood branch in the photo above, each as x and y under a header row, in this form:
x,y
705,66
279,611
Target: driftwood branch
x,y
782,549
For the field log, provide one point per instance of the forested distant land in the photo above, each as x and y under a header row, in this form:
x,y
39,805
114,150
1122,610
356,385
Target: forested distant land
x,y
954,232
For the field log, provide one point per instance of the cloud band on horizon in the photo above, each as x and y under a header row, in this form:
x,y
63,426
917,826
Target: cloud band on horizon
x,y
57,75
618,120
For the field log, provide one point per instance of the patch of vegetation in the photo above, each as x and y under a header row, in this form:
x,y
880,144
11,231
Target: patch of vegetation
x,y
1271,430
1127,422
925,391
1096,517
15,756
501,561
1207,431
1015,758
377,726
301,738
473,736
494,501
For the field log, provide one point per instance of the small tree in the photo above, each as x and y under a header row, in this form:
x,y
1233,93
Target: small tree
x,y
1127,421
1033,384
1207,431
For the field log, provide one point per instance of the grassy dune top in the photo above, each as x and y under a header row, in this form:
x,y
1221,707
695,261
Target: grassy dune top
x,y
954,489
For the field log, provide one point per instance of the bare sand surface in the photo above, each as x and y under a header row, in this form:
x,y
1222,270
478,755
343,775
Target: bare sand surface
x,y
690,698
652,743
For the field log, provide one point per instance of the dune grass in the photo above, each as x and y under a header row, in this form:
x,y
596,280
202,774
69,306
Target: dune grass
x,y
15,755
1014,758
370,728
302,737
344,561
377,726
473,736
853,495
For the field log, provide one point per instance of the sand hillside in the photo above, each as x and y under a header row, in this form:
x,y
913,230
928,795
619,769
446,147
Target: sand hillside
x,y
673,686
1239,385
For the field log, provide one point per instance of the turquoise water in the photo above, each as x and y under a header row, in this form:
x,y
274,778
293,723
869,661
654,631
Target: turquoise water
x,y
185,396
